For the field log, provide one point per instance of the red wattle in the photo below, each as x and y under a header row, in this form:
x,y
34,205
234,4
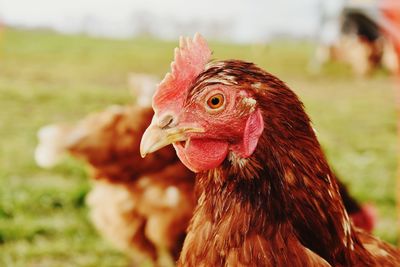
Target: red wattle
x,y
202,154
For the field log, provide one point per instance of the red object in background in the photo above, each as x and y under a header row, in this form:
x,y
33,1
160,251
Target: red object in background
x,y
391,24
365,218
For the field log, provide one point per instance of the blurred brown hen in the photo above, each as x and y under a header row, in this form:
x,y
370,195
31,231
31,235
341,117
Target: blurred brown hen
x,y
142,205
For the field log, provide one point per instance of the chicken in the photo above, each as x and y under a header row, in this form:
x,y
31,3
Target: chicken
x,y
143,206
360,43
267,196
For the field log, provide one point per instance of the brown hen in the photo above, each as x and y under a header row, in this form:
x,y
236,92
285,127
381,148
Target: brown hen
x,y
267,193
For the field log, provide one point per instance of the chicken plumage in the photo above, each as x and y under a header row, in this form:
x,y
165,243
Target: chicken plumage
x,y
267,194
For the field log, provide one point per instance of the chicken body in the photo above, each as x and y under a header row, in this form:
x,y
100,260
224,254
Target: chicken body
x,y
267,194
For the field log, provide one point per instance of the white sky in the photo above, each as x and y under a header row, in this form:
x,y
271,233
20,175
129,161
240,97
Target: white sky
x,y
252,19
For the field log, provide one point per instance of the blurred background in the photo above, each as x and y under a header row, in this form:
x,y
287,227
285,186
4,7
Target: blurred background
x,y
62,60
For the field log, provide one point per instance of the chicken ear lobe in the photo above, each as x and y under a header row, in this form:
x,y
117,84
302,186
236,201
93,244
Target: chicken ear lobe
x,y
252,132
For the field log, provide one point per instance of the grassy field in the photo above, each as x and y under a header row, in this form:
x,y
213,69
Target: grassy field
x,y
46,78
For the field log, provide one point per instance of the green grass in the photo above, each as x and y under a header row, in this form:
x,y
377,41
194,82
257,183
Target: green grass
x,y
47,77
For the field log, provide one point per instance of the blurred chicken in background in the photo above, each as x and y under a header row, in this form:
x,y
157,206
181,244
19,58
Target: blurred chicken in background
x,y
357,41
142,86
142,206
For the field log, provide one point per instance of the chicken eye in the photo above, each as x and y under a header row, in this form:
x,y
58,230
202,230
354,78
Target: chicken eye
x,y
216,101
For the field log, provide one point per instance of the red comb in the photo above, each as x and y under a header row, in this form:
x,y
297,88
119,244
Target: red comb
x,y
190,60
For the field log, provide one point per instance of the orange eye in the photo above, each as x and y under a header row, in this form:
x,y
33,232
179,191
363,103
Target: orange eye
x,y
216,101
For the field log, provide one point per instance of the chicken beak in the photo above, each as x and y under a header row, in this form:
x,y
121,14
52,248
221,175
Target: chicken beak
x,y
155,137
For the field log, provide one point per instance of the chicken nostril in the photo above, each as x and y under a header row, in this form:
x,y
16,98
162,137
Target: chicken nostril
x,y
166,121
